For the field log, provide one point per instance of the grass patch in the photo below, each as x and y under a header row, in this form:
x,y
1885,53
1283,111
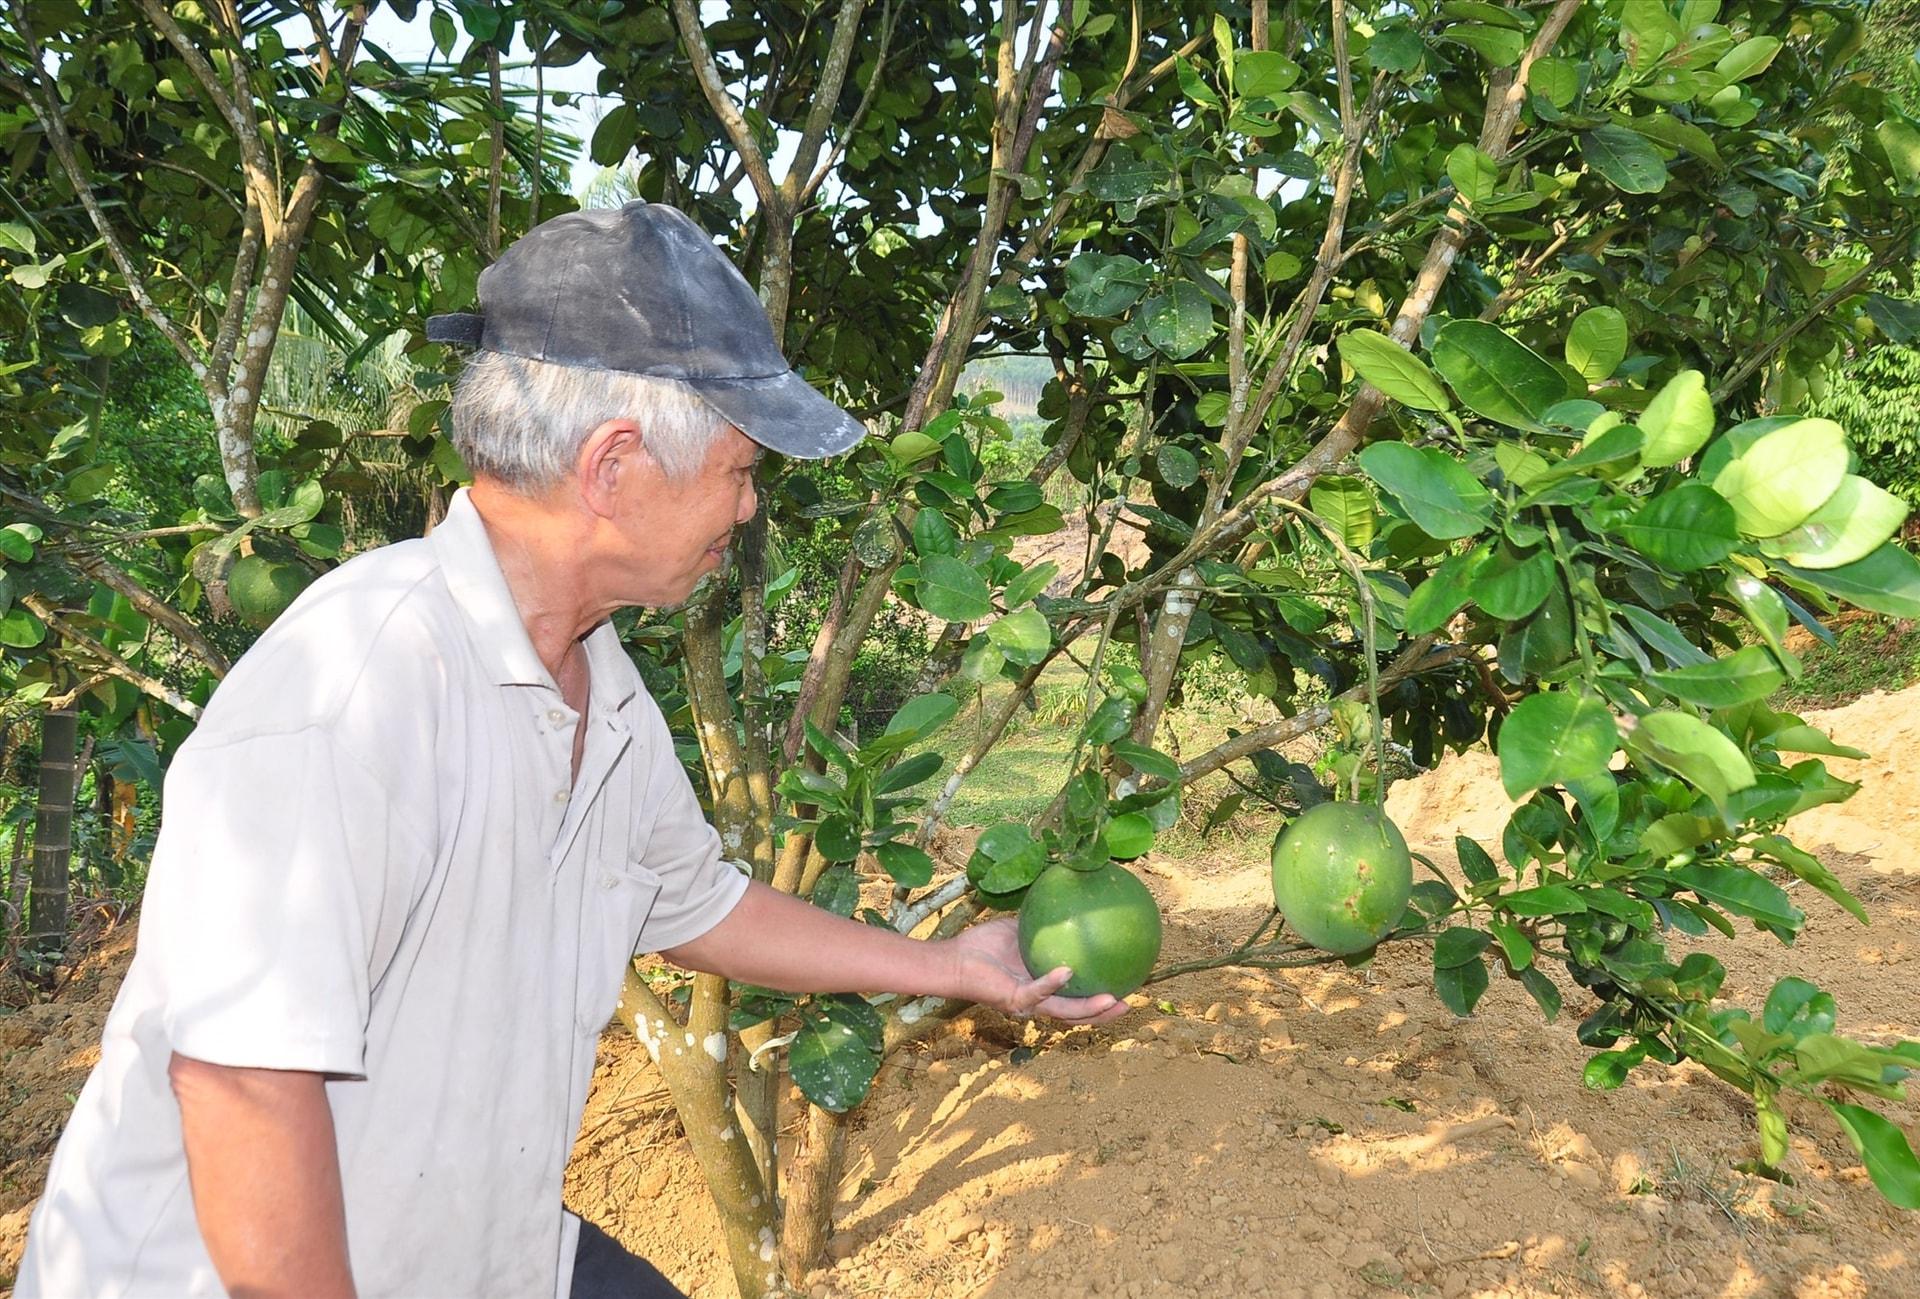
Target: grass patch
x,y
1870,653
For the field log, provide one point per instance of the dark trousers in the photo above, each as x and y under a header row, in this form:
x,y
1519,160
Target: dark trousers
x,y
603,1269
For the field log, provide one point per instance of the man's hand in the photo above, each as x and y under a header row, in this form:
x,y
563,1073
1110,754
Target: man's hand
x,y
990,971
779,941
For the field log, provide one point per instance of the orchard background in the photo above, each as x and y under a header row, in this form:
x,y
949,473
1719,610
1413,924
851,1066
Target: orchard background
x,y
1267,400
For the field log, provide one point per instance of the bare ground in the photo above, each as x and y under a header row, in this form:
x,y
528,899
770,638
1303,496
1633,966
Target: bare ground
x,y
1309,1133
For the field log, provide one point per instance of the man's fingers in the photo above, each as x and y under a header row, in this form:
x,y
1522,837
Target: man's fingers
x,y
1028,996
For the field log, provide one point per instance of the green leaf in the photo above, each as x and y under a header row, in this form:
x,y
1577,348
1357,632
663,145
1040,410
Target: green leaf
x,y
1856,520
920,717
909,866
1500,46
1177,466
1126,837
1740,678
15,545
1392,369
951,590
1546,900
1262,74
1475,864
1883,1148
1457,947
1516,945
1797,1008
1146,761
1509,585
20,629
1887,581
838,840
1693,751
908,773
1685,528
1543,990
1441,595
1104,285
1625,158
832,1064
19,238
1024,637
1495,375
1347,504
1436,490
1677,422
1749,58
1110,721
1805,866
1460,987
1030,583
1597,343
1474,175
1784,476
1396,49
1741,891
1607,1070
1551,738
1180,321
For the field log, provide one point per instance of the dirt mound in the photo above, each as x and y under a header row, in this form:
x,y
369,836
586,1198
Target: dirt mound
x,y
1309,1133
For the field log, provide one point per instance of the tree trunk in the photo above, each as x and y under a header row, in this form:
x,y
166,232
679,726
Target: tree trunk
x,y
17,885
812,1173
53,831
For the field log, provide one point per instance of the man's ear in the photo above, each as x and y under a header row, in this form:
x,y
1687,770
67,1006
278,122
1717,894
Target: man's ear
x,y
613,460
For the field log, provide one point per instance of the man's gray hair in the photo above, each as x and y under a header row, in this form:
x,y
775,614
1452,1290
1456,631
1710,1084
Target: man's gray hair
x,y
523,421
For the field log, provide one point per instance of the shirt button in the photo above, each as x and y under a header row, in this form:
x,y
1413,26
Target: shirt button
x,y
555,716
609,882
559,795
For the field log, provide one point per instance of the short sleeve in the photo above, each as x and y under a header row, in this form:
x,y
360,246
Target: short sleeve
x,y
697,886
277,860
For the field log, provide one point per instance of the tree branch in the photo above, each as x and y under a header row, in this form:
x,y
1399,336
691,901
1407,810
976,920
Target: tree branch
x,y
113,663
686,16
889,19
52,122
826,97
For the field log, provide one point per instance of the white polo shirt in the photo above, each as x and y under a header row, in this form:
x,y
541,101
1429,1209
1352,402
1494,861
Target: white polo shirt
x,y
373,864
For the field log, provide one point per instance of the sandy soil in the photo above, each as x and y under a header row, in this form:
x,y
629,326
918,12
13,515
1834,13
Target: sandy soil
x,y
1310,1133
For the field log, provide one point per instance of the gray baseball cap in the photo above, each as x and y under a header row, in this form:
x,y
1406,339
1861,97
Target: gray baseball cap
x,y
641,288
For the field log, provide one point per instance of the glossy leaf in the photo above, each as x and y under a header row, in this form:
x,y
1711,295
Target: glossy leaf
x,y
1741,677
831,1063
1435,490
1597,343
1685,528
1347,504
1625,158
1392,369
952,590
1554,737
1883,1148
1786,475
1886,581
1856,521
1692,750
1495,375
1677,422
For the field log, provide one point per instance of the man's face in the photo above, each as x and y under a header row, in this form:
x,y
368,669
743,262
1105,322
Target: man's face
x,y
676,532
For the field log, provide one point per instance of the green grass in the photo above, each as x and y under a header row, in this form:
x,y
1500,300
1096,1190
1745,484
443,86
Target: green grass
x,y
1870,654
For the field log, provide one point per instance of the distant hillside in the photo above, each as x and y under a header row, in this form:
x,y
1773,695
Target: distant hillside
x,y
1018,378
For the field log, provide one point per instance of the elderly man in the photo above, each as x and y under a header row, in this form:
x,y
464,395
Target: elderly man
x,y
431,816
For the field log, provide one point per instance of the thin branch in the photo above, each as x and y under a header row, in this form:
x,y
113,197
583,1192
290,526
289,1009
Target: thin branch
x,y
252,236
1766,351
113,663
889,19
826,97
686,16
54,124
151,605
236,109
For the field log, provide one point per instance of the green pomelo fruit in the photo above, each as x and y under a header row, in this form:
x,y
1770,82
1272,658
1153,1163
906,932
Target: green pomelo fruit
x,y
1341,876
1103,923
261,588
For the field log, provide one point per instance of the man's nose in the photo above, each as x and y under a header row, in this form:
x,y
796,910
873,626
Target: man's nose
x,y
749,502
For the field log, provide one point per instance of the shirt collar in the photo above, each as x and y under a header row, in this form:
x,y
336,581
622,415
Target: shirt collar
x,y
481,594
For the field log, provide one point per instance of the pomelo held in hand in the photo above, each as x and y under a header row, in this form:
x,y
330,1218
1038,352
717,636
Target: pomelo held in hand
x,y
1103,923
1341,876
